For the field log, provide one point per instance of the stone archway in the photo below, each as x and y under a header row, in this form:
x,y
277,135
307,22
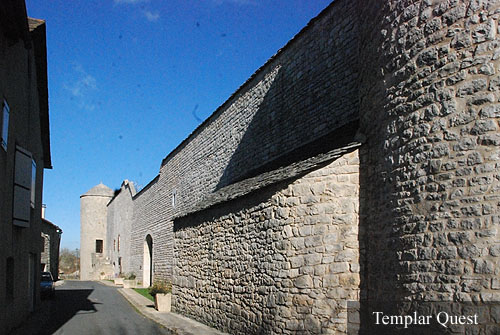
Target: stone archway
x,y
147,274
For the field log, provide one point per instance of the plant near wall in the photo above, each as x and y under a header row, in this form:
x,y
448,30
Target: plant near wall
x,y
130,276
161,287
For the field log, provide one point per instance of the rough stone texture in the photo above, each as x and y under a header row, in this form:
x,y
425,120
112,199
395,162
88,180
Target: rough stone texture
x,y
49,257
282,260
93,218
288,102
151,218
119,224
257,252
429,170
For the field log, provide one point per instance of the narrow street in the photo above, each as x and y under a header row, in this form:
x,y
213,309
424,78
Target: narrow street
x,y
83,307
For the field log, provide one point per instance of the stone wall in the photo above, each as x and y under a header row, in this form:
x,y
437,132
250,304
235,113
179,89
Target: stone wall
x,y
93,227
150,218
429,170
423,79
51,235
119,224
282,260
290,101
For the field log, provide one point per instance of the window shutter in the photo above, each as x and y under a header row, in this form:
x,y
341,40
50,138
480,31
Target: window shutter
x,y
22,188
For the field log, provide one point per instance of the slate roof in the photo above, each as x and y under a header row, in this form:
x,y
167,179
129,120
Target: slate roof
x,y
269,178
99,190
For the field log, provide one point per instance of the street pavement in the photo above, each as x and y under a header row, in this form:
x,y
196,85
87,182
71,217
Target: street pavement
x,y
84,307
176,323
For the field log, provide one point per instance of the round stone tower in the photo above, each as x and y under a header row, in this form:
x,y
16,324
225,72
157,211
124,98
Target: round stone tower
x,y
429,108
93,213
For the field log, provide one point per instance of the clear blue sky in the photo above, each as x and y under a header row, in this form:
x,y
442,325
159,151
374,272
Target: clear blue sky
x,y
130,79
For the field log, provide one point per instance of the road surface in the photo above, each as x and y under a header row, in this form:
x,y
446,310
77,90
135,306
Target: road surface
x,y
84,307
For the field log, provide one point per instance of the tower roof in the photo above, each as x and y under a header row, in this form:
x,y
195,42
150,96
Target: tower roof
x,y
99,190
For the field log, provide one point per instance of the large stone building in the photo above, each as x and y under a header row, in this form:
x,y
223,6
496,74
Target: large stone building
x,y
356,170
24,154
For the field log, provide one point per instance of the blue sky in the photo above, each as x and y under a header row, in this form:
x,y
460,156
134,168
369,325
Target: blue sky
x,y
130,79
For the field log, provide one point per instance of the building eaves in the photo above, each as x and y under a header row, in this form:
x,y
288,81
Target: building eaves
x,y
125,185
151,183
38,36
100,190
266,179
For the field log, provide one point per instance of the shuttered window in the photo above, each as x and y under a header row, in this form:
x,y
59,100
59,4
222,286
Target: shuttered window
x,y
24,187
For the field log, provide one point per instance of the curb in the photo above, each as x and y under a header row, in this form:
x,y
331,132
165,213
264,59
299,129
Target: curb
x,y
175,323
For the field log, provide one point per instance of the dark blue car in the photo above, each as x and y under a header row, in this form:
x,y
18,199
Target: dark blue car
x,y
47,287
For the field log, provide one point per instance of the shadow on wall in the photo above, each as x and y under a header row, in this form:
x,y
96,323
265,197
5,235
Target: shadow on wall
x,y
303,103
379,263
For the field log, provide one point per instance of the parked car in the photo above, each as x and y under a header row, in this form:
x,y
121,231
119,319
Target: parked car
x,y
47,286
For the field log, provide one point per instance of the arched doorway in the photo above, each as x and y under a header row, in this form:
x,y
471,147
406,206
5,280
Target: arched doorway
x,y
147,274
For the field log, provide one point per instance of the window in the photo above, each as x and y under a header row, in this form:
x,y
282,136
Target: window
x,y
118,242
5,124
114,245
23,187
98,246
174,198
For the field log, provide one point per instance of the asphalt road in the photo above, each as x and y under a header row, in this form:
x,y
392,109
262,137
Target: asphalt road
x,y
81,308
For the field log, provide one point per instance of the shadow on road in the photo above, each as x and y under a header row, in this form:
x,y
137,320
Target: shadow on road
x,y
54,313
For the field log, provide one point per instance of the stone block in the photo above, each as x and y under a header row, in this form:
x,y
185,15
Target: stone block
x,y
313,259
303,282
339,267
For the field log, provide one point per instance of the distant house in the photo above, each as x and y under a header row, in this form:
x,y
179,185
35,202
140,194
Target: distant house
x,y
24,154
49,258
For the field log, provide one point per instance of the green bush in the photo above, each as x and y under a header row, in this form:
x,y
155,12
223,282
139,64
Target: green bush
x,y
160,287
130,276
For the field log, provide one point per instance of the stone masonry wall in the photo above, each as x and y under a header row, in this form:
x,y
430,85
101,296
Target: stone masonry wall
x,y
51,235
429,169
149,218
290,101
283,260
423,78
119,223
93,225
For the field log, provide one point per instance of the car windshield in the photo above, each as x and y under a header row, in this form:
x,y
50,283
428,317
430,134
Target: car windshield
x,y
46,277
